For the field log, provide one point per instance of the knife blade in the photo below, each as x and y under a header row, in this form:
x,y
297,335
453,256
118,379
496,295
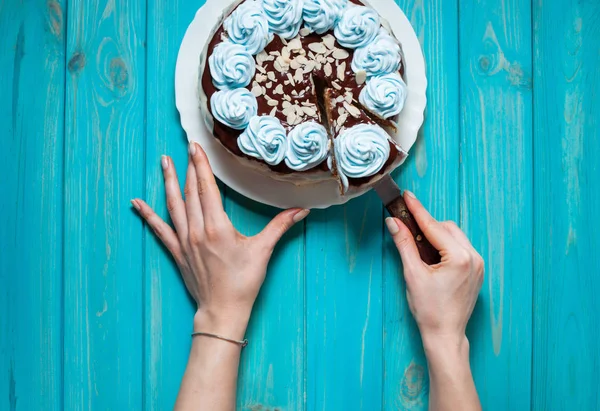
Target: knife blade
x,y
391,196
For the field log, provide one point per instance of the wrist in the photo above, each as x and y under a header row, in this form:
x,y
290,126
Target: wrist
x,y
442,348
226,324
448,360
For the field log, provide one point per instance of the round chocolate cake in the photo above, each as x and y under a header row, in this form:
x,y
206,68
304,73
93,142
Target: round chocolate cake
x,y
305,90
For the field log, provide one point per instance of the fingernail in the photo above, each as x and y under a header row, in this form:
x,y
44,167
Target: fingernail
x,y
135,204
164,161
392,226
192,148
301,215
410,194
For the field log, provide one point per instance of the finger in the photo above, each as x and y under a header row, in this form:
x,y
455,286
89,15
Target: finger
x,y
278,226
458,234
162,230
405,243
175,203
439,237
462,238
192,202
210,198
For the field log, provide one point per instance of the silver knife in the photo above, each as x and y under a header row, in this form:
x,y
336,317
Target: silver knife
x,y
391,196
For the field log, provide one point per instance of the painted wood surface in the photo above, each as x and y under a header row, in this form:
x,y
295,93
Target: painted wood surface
x,y
167,307
32,78
566,355
93,314
496,186
104,168
431,172
272,367
344,306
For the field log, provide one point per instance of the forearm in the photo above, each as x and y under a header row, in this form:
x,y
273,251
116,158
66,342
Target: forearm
x,y
210,378
451,381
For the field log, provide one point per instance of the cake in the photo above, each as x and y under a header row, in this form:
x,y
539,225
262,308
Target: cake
x,y
305,90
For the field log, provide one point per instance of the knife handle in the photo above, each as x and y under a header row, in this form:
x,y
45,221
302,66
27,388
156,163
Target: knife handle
x,y
398,208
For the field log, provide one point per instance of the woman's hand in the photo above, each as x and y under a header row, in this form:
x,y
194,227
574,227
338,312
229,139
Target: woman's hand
x,y
222,269
441,298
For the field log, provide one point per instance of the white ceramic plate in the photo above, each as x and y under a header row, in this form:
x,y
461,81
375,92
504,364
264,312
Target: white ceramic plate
x,y
249,182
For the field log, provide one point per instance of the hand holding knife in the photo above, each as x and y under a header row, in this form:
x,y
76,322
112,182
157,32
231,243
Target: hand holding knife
x,y
391,196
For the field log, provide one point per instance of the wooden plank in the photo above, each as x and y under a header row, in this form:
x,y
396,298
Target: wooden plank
x,y
344,306
104,162
272,365
566,361
31,163
496,186
431,172
272,369
168,310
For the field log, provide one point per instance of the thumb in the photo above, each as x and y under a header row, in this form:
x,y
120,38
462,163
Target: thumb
x,y
405,243
280,225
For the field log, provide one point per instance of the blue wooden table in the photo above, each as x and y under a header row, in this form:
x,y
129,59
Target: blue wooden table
x,y
93,314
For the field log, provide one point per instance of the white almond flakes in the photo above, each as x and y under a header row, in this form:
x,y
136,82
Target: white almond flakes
x,y
341,71
361,77
310,66
291,79
302,60
329,41
295,44
342,119
261,57
354,112
291,118
257,91
340,54
318,48
309,111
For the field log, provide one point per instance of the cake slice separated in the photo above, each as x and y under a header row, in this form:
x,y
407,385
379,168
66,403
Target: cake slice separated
x,y
363,151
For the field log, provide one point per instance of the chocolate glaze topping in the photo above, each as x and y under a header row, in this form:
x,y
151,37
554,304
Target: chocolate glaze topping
x,y
327,94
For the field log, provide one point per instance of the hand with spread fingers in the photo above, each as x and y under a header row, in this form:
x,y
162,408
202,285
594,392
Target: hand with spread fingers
x,y
442,298
223,271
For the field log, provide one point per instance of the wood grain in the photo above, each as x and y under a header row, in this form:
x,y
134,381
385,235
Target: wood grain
x,y
431,172
168,310
496,185
272,366
343,306
566,360
31,164
93,313
104,157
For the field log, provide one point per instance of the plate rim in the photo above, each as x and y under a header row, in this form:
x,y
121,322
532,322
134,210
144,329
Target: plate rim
x,y
258,186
